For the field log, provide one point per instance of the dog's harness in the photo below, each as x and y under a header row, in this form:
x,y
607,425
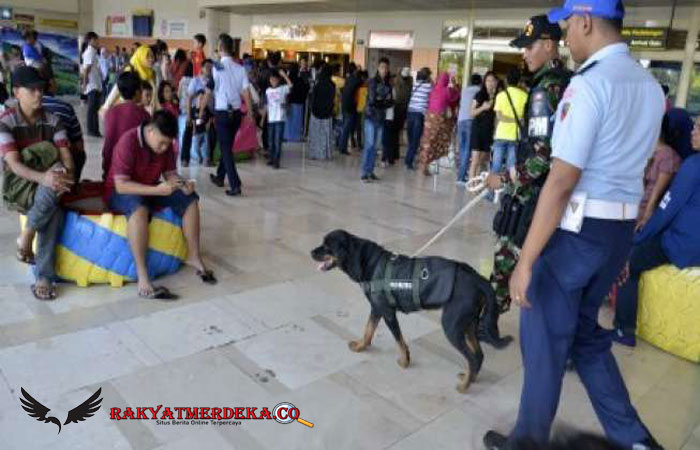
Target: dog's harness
x,y
384,285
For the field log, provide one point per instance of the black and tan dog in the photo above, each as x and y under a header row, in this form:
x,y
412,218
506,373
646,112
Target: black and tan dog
x,y
395,282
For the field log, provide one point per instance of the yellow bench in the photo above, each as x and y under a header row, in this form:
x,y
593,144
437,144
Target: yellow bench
x,y
669,310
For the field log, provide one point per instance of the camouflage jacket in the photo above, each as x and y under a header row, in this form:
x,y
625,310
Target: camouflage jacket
x,y
550,83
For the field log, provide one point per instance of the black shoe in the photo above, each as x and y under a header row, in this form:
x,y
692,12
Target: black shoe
x,y
270,162
276,164
216,180
493,440
648,444
365,179
373,177
410,167
234,192
344,152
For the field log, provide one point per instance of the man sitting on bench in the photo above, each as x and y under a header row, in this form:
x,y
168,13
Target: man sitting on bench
x,y
142,157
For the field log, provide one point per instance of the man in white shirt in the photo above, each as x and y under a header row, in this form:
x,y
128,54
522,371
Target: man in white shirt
x,y
92,83
229,87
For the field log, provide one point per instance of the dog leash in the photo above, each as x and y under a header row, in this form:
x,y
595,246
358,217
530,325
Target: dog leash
x,y
479,184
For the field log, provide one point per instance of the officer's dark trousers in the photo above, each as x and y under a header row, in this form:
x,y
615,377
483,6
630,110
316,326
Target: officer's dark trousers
x,y
569,281
227,124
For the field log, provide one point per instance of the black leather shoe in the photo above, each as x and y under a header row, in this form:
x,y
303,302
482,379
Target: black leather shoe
x,y
234,192
648,444
373,177
216,180
494,440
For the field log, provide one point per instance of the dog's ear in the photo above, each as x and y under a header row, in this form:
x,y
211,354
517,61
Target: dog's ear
x,y
337,242
347,249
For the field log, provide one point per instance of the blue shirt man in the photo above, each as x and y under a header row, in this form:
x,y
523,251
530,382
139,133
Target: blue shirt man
x,y
606,126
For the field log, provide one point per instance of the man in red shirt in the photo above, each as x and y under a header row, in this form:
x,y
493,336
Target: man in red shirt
x,y
142,157
123,117
198,55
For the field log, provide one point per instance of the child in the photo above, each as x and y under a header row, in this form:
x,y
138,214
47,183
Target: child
x,y
276,114
147,97
195,95
166,98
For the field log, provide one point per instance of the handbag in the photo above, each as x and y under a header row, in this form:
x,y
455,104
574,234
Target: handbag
x,y
507,221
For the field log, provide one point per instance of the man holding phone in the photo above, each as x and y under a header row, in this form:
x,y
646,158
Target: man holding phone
x,y
34,146
143,178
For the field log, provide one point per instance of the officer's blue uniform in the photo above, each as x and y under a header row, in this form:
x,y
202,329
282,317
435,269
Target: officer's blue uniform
x,y
607,125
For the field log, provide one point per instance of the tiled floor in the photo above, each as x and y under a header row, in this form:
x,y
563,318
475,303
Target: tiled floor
x,y
276,330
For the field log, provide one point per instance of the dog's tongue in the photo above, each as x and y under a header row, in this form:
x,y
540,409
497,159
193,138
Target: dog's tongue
x,y
321,266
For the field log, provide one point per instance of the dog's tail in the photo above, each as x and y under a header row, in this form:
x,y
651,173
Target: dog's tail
x,y
488,321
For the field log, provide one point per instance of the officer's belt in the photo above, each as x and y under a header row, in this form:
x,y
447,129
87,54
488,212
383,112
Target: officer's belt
x,y
382,282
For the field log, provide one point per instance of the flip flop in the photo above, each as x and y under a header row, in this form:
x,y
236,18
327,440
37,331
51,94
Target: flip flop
x,y
52,294
25,256
207,276
160,293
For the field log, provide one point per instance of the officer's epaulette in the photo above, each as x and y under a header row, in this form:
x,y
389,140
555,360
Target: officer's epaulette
x,y
586,69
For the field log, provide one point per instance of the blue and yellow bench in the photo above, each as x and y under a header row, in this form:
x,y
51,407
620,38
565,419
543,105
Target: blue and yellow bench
x,y
93,248
669,310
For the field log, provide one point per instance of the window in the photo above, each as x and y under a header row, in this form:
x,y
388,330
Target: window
x,y
693,104
668,73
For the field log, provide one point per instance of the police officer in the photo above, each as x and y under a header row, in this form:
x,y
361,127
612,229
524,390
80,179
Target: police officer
x,y
606,126
229,87
540,39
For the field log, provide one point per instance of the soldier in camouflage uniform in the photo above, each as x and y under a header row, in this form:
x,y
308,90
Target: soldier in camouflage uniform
x,y
540,39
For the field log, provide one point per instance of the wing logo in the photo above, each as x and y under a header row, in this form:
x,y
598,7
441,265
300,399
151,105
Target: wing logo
x,y
81,412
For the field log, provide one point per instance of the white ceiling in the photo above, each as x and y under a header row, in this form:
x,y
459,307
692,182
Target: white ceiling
x,y
246,7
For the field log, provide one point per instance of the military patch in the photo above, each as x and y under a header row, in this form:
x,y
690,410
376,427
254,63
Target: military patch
x,y
565,110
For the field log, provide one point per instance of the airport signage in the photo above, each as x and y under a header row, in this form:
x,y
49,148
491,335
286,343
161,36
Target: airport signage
x,y
640,38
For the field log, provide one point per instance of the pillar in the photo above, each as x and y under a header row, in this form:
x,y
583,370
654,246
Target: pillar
x,y
468,49
688,59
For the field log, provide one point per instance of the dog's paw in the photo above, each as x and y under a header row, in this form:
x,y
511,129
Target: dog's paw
x,y
356,346
463,387
403,362
463,382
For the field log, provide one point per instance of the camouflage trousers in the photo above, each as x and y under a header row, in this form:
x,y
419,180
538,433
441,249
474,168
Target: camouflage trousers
x,y
504,260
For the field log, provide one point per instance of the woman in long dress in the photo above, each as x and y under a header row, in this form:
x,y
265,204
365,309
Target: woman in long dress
x,y
321,121
439,123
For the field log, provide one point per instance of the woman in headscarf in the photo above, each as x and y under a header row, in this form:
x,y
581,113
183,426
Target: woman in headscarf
x,y
142,63
321,121
439,122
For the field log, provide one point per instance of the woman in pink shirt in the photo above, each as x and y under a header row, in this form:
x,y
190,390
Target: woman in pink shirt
x,y
664,163
439,121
